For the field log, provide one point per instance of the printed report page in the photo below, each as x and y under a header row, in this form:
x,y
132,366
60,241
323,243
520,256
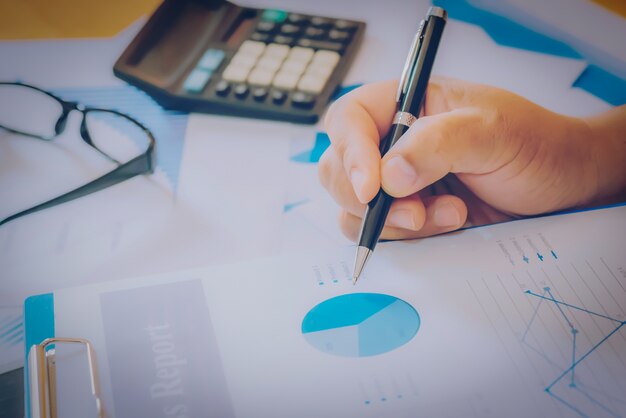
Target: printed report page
x,y
525,318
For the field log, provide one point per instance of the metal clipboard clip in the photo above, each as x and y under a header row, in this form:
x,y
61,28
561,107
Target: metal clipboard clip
x,y
42,377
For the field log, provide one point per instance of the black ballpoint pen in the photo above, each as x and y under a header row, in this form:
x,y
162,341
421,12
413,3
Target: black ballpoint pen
x,y
409,100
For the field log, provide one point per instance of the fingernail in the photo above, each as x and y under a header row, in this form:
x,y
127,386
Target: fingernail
x,y
447,215
399,174
402,218
357,178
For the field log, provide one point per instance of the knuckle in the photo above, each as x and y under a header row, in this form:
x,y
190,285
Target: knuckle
x,y
497,120
434,133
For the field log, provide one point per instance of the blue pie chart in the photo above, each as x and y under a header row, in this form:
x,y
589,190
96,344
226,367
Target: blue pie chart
x,y
360,324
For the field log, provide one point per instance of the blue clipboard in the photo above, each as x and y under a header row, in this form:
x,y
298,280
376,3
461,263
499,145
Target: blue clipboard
x,y
40,361
38,326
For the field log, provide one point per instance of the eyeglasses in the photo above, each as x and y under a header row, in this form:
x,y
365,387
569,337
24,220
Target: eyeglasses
x,y
32,112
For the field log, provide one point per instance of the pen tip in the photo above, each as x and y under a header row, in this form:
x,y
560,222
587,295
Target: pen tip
x,y
362,254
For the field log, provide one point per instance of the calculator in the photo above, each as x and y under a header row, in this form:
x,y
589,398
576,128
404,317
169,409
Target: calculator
x,y
213,56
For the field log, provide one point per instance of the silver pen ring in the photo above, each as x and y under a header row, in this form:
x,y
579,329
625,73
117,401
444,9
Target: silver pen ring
x,y
404,118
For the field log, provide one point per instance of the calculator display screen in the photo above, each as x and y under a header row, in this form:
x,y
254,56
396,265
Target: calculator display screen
x,y
162,56
239,30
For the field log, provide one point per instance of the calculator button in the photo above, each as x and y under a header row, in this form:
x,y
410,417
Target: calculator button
x,y
211,59
311,83
301,54
310,43
241,91
338,35
252,48
278,96
320,70
269,63
315,33
235,73
285,80
289,29
297,19
274,15
321,22
345,25
293,66
261,37
326,57
222,88
261,77
259,94
265,26
302,99
196,81
243,60
276,51
284,40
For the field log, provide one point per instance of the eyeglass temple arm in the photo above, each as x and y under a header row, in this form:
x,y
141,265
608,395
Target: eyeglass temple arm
x,y
139,165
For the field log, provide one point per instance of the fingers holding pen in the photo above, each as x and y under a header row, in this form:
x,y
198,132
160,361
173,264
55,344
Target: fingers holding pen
x,y
419,218
451,142
355,124
407,213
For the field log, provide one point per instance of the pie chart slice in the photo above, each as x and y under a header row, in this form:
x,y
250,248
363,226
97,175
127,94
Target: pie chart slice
x,y
360,324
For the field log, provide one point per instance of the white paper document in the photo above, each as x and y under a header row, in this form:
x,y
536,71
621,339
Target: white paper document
x,y
526,318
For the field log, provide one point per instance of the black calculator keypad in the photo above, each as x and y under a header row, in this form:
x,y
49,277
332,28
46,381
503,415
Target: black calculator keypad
x,y
287,59
280,66
321,22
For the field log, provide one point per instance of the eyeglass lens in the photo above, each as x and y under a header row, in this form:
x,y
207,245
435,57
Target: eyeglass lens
x,y
28,110
114,135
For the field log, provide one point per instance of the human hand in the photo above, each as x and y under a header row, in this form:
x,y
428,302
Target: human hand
x,y
477,155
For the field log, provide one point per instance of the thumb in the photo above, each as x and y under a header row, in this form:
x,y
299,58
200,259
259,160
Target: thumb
x,y
464,140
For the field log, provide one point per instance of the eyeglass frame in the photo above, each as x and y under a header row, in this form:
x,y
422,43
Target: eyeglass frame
x,y
140,165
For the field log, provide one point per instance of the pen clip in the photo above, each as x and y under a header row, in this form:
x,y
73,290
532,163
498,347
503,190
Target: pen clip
x,y
410,59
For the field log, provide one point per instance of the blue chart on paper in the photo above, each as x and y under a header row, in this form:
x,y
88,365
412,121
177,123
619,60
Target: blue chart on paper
x,y
313,155
168,127
603,78
360,324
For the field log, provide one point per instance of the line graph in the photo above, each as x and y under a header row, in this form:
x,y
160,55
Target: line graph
x,y
561,329
566,312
